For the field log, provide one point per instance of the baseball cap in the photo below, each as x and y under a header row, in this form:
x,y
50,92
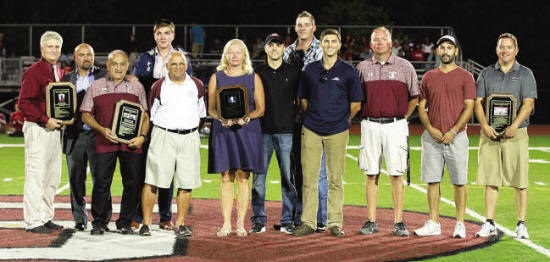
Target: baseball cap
x,y
449,38
274,37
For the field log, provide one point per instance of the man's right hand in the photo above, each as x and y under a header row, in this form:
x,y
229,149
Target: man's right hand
x,y
490,132
109,135
53,124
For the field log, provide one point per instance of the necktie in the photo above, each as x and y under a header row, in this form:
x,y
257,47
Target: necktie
x,y
56,73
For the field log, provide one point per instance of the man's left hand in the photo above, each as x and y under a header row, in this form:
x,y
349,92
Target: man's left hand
x,y
136,142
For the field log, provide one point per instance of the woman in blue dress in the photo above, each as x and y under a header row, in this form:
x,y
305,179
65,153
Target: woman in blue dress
x,y
235,144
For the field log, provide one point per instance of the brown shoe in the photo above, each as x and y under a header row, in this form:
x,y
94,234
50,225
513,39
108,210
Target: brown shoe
x,y
135,225
166,225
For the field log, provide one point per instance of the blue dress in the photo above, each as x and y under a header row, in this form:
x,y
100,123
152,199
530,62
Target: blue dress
x,y
240,148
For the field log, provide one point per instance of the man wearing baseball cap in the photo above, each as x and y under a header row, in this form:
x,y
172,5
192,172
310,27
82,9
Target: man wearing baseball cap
x,y
448,91
280,81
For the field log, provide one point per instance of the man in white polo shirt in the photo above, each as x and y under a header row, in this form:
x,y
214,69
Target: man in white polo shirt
x,y
177,111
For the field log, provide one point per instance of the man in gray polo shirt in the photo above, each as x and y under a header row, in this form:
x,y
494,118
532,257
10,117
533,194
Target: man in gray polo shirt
x,y
503,158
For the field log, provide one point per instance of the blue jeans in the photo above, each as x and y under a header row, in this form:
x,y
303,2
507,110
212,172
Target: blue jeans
x,y
282,145
322,215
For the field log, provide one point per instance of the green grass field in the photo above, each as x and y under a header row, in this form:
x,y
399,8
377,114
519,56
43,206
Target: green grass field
x,y
508,249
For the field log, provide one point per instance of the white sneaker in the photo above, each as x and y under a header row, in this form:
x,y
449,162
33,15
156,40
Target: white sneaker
x,y
487,230
429,229
521,231
460,230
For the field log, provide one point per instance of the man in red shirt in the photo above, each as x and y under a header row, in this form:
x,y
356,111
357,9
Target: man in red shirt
x,y
42,138
97,111
448,92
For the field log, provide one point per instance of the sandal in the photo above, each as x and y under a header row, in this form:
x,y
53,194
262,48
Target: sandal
x,y
223,232
241,232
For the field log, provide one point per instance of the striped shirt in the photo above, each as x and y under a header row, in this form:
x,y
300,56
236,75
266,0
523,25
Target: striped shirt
x,y
100,101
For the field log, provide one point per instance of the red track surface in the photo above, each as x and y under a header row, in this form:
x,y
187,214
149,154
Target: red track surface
x,y
276,246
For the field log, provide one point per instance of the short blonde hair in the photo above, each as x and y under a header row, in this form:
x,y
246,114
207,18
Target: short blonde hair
x,y
306,14
51,35
382,28
247,64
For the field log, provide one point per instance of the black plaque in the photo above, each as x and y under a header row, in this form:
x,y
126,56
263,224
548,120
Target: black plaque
x,y
61,102
127,120
500,110
232,102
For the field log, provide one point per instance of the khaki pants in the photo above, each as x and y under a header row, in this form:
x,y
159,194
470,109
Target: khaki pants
x,y
42,173
312,151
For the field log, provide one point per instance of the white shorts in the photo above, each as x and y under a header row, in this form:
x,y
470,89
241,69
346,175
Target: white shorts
x,y
170,155
436,155
389,140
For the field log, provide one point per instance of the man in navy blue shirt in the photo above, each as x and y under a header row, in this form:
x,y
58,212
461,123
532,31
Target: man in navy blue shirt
x,y
330,95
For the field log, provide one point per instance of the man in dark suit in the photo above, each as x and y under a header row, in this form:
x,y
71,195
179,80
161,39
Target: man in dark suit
x,y
79,139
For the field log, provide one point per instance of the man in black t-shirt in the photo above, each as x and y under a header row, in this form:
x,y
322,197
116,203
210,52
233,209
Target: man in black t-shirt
x,y
280,82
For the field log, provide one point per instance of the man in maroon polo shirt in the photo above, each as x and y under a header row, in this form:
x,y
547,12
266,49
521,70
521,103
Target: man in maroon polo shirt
x,y
391,89
42,138
97,112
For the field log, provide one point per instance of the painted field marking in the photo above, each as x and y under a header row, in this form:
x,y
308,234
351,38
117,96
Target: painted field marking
x,y
477,216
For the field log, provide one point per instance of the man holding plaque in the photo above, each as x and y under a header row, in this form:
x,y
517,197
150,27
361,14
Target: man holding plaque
x,y
79,138
177,112
503,158
446,104
98,112
42,138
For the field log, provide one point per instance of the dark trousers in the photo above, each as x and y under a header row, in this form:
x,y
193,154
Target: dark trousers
x,y
130,169
296,169
80,152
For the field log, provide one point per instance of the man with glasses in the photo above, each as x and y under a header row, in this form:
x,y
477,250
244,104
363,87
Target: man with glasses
x,y
98,108
177,112
391,88
504,156
331,95
150,67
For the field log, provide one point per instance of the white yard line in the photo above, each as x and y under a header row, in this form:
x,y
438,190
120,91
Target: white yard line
x,y
478,216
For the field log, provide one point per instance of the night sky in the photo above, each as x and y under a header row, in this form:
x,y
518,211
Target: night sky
x,y
477,23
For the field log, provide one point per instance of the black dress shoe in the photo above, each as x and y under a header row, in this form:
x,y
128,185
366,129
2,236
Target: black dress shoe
x,y
97,230
51,225
127,230
80,227
40,230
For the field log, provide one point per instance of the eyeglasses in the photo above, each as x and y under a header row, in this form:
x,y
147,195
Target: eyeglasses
x,y
323,77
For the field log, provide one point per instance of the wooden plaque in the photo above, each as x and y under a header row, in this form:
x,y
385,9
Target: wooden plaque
x,y
500,110
232,102
127,120
61,102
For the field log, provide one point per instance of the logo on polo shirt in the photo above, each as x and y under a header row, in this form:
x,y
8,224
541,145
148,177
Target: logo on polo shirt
x,y
392,74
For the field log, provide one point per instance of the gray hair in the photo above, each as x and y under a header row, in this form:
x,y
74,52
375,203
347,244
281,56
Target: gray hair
x,y
50,35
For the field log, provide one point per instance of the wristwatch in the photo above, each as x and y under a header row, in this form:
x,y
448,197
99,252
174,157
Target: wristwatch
x,y
144,136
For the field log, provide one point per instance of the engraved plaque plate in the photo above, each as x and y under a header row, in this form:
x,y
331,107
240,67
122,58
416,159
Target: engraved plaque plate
x,y
500,110
61,102
232,102
127,120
